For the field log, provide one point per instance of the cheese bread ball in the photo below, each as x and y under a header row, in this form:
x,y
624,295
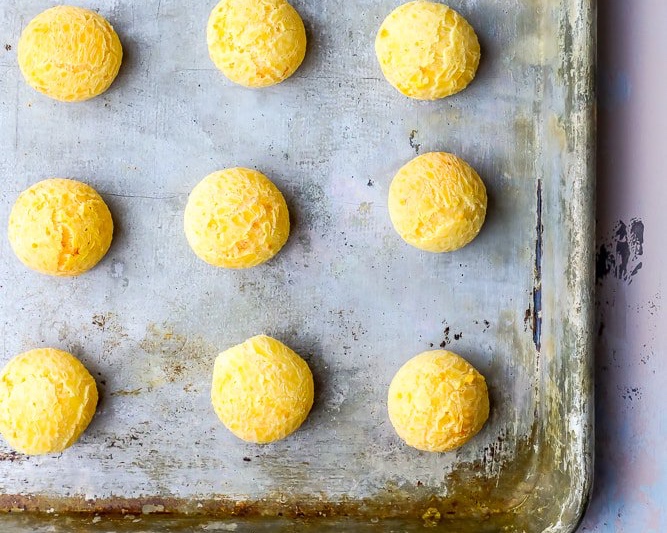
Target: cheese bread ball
x,y
47,399
427,50
262,391
236,218
69,53
438,401
60,227
437,202
256,43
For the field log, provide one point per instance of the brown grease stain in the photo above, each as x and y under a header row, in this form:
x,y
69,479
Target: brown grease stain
x,y
520,499
180,356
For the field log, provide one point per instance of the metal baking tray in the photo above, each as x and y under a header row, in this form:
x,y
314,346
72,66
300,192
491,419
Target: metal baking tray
x,y
345,292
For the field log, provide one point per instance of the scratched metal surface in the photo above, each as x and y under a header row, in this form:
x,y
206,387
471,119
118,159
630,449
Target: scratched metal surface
x,y
345,292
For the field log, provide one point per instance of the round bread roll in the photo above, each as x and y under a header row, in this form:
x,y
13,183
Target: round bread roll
x,y
427,50
437,202
256,43
438,401
69,53
47,399
262,391
236,218
60,227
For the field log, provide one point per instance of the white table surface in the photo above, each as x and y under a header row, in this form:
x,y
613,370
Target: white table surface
x,y
630,493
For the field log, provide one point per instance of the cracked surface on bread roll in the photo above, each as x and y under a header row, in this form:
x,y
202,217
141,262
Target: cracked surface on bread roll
x,y
60,227
262,390
236,218
437,202
438,401
47,399
69,53
256,43
427,50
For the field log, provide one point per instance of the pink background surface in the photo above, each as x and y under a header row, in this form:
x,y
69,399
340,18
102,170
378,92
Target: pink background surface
x,y
630,493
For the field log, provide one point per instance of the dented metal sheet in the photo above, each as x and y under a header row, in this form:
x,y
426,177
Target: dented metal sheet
x,y
345,292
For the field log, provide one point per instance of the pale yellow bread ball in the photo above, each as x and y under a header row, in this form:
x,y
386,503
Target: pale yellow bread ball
x,y
262,391
47,399
427,50
236,218
69,53
437,202
60,227
438,401
256,43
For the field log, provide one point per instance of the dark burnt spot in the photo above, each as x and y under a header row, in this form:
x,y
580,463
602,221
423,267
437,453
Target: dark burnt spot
x,y
415,146
447,338
99,321
12,457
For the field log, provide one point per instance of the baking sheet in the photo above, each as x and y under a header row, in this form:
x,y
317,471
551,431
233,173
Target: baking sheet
x,y
346,293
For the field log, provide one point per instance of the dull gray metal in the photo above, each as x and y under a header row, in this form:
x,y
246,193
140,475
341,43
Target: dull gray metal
x,y
345,292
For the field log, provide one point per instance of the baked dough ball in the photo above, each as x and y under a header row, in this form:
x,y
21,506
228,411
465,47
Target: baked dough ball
x,y
47,399
60,227
427,50
437,202
438,401
262,391
236,218
256,43
69,53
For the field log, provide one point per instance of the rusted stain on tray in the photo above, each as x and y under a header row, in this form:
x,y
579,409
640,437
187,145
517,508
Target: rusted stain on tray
x,y
182,357
517,499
